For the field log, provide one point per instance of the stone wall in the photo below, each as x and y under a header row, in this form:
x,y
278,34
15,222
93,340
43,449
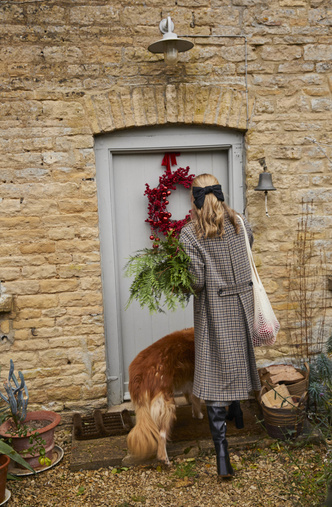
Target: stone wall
x,y
73,69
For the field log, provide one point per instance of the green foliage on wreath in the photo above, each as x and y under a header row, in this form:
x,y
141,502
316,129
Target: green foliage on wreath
x,y
161,276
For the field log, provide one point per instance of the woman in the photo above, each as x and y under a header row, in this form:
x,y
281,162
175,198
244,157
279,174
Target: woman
x,y
225,366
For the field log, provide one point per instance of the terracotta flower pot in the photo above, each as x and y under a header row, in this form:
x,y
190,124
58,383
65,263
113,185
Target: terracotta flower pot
x,y
4,462
45,422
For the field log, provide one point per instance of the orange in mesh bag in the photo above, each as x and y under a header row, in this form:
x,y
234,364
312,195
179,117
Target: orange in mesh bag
x,y
266,325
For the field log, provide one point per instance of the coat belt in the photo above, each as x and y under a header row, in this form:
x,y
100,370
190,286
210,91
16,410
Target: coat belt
x,y
231,290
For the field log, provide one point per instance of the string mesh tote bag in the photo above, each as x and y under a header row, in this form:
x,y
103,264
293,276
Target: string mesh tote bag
x,y
266,325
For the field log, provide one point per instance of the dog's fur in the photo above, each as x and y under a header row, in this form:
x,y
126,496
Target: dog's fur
x,y
155,374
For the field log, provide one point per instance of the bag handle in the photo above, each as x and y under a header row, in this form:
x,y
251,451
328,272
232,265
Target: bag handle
x,y
251,258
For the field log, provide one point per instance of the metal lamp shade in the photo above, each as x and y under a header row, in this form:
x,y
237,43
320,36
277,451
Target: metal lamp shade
x,y
265,182
180,45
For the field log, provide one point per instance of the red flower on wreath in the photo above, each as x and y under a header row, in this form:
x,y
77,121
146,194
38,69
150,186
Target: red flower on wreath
x,y
159,218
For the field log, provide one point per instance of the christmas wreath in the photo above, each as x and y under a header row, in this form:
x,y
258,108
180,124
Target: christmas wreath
x,y
161,273
159,218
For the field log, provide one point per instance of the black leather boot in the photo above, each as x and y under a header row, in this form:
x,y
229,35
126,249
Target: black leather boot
x,y
217,423
234,410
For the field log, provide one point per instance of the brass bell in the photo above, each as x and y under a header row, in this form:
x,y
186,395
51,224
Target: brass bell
x,y
265,182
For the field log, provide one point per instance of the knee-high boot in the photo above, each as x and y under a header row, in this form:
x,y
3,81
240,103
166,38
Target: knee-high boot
x,y
234,410
217,423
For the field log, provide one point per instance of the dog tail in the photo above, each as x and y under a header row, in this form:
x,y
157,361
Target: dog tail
x,y
143,438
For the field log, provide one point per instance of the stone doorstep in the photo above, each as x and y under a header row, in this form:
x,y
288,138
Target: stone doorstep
x,y
112,451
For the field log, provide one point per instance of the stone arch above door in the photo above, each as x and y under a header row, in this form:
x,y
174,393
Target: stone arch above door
x,y
158,105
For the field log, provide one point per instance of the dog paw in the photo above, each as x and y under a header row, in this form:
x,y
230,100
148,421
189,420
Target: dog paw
x,y
198,416
164,461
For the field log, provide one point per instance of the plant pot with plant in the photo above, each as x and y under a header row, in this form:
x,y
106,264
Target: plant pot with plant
x,y
4,463
6,454
30,433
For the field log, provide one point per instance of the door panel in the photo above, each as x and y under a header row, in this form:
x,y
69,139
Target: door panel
x,y
138,329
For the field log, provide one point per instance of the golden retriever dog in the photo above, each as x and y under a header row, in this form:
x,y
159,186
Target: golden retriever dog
x,y
160,370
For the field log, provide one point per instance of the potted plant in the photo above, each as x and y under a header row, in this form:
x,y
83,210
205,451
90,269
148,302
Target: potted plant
x,y
6,454
30,433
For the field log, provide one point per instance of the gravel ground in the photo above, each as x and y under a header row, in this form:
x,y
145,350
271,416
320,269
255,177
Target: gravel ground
x,y
275,476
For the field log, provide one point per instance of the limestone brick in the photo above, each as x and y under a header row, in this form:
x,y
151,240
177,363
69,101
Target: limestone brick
x,y
116,110
200,105
321,104
126,106
79,298
36,301
138,107
53,286
41,247
96,392
21,359
317,52
64,393
94,14
102,112
171,103
224,106
293,3
4,326
236,107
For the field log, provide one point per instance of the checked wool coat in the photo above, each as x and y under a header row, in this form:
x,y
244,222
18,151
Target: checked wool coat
x,y
225,365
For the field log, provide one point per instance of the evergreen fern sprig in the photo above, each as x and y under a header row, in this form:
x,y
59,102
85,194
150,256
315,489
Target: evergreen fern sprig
x,y
161,276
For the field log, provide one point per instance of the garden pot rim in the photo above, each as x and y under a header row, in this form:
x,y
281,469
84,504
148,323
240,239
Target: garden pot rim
x,y
37,415
6,462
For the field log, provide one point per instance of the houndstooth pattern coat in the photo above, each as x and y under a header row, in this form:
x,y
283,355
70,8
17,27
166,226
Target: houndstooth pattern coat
x,y
225,365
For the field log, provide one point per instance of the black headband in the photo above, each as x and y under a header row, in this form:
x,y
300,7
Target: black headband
x,y
199,194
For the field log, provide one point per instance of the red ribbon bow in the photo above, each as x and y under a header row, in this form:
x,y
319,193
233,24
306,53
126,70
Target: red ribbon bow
x,y
169,160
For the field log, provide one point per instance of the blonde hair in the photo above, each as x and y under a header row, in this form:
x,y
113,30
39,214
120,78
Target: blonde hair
x,y
209,220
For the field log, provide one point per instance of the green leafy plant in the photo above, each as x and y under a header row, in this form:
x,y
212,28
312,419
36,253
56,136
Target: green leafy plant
x,y
118,470
37,443
186,469
161,276
81,490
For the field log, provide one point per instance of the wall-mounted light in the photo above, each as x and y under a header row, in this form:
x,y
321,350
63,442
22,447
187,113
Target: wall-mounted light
x,y
170,44
265,182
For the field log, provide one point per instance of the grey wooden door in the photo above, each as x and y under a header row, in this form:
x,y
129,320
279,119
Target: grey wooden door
x,y
121,177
